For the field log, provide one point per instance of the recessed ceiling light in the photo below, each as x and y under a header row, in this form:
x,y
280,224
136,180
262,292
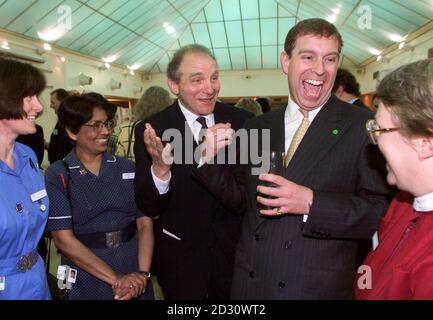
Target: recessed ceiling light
x,y
375,51
51,34
110,59
332,18
47,46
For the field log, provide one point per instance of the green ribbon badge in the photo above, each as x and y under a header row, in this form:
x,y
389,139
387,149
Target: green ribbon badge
x,y
335,132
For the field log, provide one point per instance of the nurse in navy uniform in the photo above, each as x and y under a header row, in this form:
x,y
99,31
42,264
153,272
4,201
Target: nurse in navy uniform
x,y
23,198
105,240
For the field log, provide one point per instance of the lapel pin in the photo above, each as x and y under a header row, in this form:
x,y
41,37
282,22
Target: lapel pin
x,y
83,172
335,132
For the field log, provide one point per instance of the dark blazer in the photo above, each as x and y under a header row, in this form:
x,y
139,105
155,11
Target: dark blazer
x,y
35,141
60,145
285,258
358,102
207,223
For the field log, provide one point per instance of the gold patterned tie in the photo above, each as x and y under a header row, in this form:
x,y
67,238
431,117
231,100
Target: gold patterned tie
x,y
297,138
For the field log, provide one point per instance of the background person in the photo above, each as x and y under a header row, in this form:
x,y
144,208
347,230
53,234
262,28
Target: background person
x,y
401,261
153,100
346,88
23,201
250,105
93,218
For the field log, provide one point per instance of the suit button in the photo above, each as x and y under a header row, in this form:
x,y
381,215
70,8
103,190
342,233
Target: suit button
x,y
252,274
287,244
281,284
256,237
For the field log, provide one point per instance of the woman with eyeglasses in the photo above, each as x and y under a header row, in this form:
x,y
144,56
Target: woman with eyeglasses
x,y
105,241
400,265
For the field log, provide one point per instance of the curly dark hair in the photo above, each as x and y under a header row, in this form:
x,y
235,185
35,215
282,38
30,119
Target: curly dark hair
x,y
74,111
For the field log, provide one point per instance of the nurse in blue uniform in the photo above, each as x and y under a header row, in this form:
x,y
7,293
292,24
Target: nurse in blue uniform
x,y
23,198
105,239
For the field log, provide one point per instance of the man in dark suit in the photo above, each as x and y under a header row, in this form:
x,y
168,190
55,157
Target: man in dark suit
x,y
328,197
60,145
199,222
346,88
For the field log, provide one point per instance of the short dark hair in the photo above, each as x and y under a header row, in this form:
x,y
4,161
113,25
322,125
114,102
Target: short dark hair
x,y
17,81
264,104
348,81
60,94
75,111
315,26
175,62
408,93
110,108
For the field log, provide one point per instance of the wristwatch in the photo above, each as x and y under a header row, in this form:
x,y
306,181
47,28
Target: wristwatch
x,y
147,274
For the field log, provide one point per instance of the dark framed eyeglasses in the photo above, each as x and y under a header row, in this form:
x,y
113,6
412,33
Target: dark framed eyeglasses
x,y
98,125
374,130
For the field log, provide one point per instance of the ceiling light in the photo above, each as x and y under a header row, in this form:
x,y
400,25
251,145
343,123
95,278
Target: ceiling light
x,y
379,57
336,10
396,38
50,35
5,45
47,46
169,28
110,59
63,59
401,45
131,72
375,51
133,67
332,18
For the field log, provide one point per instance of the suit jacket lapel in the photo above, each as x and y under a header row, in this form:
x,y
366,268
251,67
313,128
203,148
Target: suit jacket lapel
x,y
324,132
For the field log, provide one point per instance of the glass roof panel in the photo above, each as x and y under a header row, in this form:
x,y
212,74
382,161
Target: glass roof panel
x,y
254,60
186,37
223,58
234,33
231,10
238,58
270,57
10,10
251,32
218,34
213,11
268,9
249,9
201,34
268,28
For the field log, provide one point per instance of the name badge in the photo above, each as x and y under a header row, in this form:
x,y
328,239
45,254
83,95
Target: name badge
x,y
38,195
2,283
375,240
128,175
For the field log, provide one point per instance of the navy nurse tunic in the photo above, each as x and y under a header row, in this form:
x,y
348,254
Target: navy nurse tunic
x,y
101,203
23,215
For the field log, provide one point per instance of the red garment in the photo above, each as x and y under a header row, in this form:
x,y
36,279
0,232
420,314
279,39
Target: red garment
x,y
402,265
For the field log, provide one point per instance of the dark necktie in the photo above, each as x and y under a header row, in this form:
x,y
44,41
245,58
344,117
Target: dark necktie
x,y
202,121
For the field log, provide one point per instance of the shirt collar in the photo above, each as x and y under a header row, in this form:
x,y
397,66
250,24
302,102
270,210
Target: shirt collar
x,y
352,101
192,117
423,203
292,111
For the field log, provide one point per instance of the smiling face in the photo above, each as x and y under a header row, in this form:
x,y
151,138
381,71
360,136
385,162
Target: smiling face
x,y
311,70
90,141
26,125
199,84
401,156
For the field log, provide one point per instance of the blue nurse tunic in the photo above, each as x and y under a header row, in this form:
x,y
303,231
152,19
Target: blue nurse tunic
x,y
102,203
23,215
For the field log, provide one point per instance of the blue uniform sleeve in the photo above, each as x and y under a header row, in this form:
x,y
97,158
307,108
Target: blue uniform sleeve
x,y
60,214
